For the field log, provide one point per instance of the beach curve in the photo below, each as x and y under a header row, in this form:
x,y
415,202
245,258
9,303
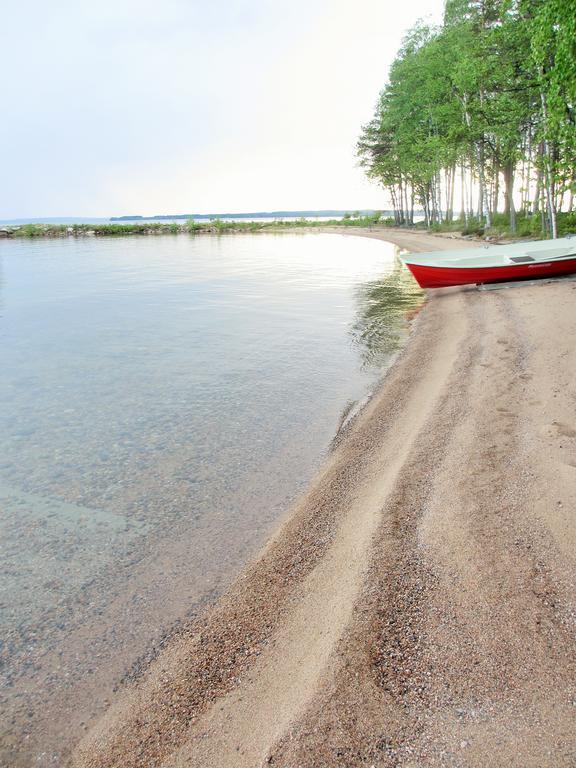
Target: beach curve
x,y
405,612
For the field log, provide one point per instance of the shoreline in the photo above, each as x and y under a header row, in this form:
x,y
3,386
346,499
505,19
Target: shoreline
x,y
394,616
364,226
123,618
216,227
359,227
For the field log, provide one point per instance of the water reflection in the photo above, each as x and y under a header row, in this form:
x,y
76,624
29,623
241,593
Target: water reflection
x,y
384,306
161,402
144,380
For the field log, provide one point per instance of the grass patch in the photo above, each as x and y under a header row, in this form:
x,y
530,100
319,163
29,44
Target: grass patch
x,y
529,227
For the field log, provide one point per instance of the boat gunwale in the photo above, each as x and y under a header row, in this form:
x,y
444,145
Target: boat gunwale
x,y
493,256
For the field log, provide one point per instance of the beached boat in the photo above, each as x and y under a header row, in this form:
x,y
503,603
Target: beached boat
x,y
493,263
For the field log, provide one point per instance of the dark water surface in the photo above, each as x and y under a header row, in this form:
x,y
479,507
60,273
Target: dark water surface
x,y
162,400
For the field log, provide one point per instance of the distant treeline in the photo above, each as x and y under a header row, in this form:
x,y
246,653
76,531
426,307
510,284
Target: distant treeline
x,y
258,215
483,110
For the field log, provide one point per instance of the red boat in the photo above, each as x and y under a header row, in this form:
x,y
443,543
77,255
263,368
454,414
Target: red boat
x,y
493,263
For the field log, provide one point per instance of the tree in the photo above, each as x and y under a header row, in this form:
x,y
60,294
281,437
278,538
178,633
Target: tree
x,y
488,100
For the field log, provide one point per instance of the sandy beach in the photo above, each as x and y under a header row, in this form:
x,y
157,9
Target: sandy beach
x,y
417,606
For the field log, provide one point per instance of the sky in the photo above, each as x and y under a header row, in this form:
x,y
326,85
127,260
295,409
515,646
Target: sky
x,y
114,107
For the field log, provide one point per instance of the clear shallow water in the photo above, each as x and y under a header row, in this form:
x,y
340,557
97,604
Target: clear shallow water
x,y
161,392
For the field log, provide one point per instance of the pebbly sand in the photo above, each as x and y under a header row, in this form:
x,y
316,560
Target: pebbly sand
x,y
417,607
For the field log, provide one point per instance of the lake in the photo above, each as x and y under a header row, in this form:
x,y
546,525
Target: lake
x,y
163,400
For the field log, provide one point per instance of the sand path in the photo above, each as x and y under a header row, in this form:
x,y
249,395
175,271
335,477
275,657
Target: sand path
x,y
417,606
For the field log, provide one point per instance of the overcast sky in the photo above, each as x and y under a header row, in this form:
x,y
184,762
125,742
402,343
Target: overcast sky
x,y
114,107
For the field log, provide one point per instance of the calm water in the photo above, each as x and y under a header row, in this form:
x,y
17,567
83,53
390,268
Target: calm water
x,y
162,400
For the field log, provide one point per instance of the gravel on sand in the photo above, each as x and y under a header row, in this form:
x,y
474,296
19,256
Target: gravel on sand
x,y
417,608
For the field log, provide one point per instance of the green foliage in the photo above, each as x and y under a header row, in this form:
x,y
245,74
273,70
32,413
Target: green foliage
x,y
530,227
30,230
567,223
216,226
193,226
487,96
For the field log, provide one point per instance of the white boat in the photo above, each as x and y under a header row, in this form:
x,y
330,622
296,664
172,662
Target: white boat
x,y
493,263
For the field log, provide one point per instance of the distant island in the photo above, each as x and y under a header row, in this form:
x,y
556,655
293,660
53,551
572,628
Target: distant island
x,y
258,215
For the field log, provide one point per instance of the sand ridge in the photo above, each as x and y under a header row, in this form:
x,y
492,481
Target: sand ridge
x,y
417,606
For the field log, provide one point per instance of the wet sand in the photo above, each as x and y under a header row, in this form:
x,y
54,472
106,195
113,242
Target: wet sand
x,y
417,606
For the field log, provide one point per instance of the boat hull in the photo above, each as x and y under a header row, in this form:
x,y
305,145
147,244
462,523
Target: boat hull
x,y
444,277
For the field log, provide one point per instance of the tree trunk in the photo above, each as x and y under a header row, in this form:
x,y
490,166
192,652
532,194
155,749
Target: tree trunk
x,y
471,192
549,175
450,196
483,204
463,214
401,201
407,210
538,192
542,205
496,190
425,206
561,196
394,204
480,208
508,173
526,178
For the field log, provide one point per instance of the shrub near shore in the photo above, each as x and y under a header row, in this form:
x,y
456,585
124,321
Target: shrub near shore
x,y
215,226
529,227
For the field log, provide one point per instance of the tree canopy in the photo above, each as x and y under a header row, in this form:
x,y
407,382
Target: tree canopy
x,y
482,109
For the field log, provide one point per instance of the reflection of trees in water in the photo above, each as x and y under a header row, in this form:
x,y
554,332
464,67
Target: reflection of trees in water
x,y
382,309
